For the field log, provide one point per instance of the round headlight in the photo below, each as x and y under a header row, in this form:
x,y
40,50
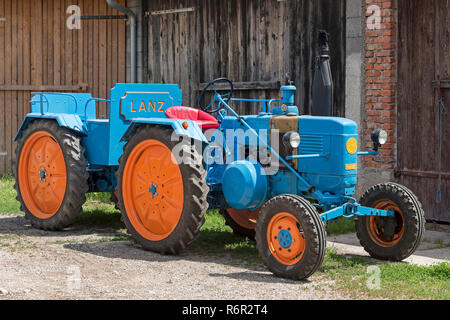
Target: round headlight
x,y
379,136
291,139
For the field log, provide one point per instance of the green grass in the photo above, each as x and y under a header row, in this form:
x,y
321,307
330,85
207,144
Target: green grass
x,y
348,273
217,239
8,203
341,226
353,276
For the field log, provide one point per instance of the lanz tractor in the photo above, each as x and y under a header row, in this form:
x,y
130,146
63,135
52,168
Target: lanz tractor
x,y
276,176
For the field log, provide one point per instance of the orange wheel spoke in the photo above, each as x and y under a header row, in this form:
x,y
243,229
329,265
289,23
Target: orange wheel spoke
x,y
35,189
141,178
55,195
58,175
171,181
167,218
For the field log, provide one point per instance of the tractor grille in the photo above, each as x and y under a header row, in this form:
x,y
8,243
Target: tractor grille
x,y
310,144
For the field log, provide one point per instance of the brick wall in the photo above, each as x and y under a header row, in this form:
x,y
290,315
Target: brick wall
x,y
380,44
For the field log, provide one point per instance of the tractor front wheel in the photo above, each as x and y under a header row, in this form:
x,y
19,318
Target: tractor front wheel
x,y
162,199
290,237
51,176
391,238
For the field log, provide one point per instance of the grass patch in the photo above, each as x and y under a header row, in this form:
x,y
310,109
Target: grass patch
x,y
9,204
99,213
103,197
217,239
341,226
357,277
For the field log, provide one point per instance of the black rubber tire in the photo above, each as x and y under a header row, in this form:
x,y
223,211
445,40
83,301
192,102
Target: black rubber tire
x,y
414,222
237,228
77,176
314,233
195,193
113,198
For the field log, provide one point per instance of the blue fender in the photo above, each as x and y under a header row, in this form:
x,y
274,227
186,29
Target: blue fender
x,y
192,131
66,120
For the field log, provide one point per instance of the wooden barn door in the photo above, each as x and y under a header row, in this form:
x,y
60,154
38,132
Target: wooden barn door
x,y
424,56
38,52
258,44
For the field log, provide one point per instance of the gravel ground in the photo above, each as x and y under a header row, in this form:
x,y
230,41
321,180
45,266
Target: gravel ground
x,y
86,264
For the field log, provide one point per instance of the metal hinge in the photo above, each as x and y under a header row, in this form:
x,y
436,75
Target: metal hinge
x,y
441,84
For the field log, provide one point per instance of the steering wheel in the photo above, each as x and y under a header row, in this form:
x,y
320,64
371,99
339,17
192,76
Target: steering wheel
x,y
226,97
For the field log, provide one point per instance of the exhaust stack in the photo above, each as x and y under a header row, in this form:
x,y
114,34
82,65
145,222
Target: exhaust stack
x,y
322,89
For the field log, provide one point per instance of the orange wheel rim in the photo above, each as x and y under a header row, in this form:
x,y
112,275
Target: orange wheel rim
x,y
152,190
42,175
244,218
285,238
376,227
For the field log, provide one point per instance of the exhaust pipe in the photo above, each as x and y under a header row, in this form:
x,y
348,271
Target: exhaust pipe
x,y
132,18
322,89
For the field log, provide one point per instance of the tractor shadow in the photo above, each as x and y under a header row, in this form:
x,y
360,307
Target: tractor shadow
x,y
211,248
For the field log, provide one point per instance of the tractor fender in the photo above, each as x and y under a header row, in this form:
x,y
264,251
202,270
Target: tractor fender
x,y
192,130
69,121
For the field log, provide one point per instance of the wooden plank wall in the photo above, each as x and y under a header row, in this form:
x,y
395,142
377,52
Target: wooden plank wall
x,y
423,54
246,41
37,49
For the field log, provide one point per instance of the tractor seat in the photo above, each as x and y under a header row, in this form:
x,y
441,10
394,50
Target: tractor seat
x,y
204,120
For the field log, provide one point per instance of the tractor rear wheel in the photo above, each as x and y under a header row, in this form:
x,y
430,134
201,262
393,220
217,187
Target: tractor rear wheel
x,y
290,237
242,222
163,202
51,176
391,238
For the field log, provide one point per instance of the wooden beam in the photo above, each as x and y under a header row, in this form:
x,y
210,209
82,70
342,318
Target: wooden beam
x,y
19,87
422,174
241,86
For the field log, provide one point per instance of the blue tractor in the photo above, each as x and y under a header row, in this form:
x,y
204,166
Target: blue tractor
x,y
276,176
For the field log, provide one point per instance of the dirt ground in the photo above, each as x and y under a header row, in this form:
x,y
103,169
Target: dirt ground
x,y
85,264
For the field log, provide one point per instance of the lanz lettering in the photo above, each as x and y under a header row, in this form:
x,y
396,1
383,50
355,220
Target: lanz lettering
x,y
152,106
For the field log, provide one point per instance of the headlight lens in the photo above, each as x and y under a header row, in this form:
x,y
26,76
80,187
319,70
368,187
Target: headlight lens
x,y
380,136
291,139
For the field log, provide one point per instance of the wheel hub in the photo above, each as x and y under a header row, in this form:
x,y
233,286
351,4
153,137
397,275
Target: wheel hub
x,y
153,190
43,175
285,239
